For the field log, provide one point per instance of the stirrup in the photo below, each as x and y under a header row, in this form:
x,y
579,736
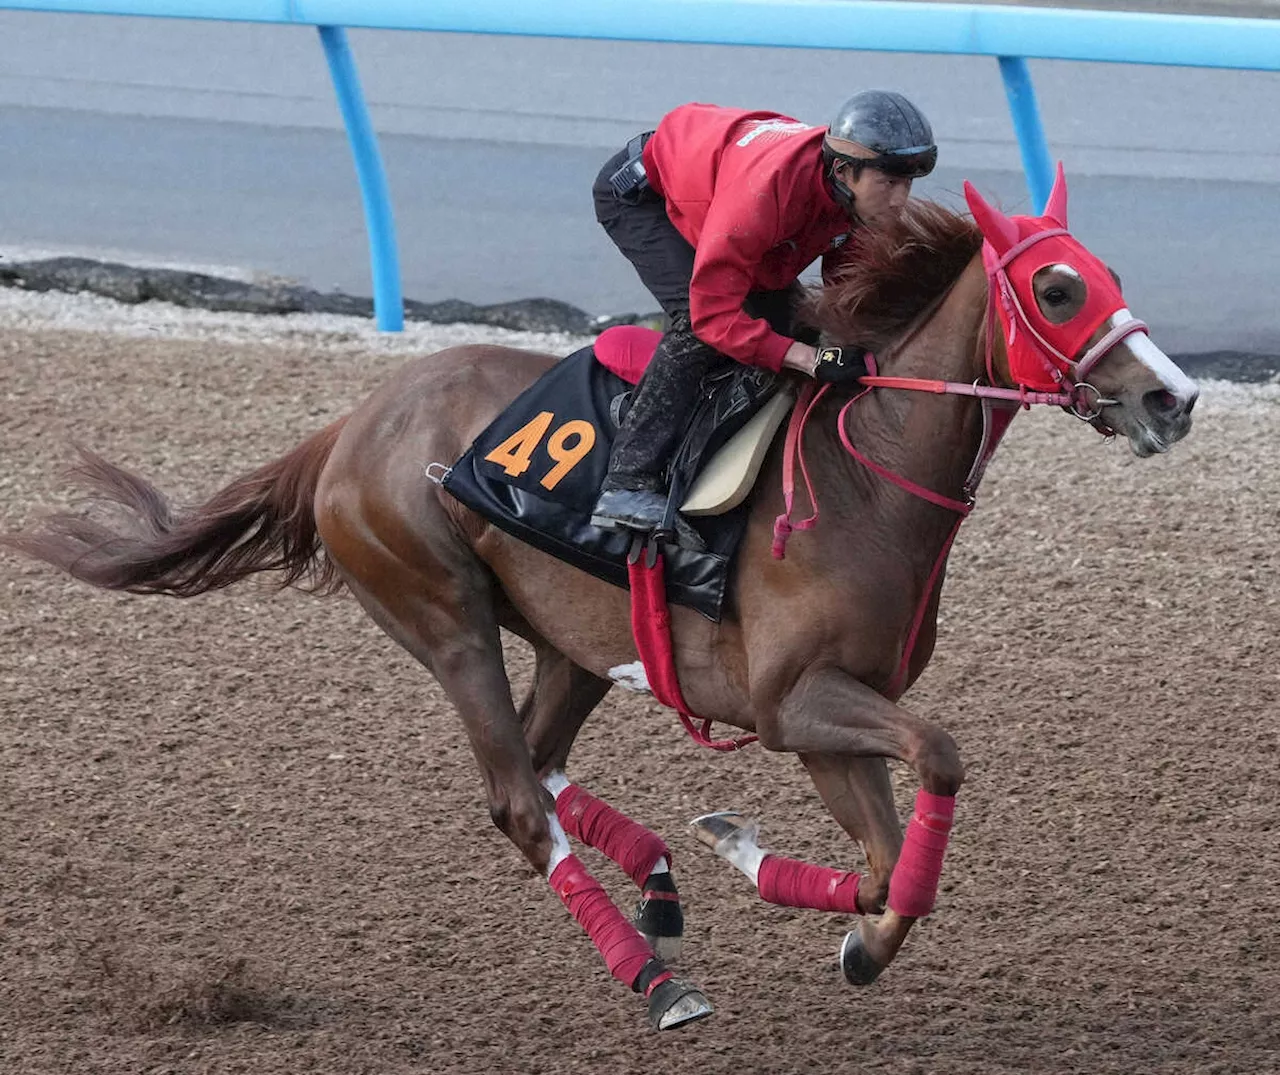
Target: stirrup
x,y
682,534
669,528
629,509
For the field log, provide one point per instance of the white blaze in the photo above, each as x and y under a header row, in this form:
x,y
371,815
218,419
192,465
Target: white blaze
x,y
1160,364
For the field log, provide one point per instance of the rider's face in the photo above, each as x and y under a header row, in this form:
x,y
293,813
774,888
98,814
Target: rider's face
x,y
878,198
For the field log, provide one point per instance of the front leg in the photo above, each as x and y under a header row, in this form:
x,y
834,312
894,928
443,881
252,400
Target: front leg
x,y
830,712
828,715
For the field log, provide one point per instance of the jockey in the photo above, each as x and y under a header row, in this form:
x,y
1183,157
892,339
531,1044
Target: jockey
x,y
720,210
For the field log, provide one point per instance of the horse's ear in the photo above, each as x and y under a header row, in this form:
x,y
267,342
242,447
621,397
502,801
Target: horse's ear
x,y
1056,208
996,228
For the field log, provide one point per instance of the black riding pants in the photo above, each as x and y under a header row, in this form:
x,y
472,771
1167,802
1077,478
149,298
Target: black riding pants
x,y
664,401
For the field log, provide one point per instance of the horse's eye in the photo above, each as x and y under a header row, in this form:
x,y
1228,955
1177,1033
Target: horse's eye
x,y
1056,296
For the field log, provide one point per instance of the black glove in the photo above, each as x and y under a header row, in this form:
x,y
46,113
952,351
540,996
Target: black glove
x,y
840,365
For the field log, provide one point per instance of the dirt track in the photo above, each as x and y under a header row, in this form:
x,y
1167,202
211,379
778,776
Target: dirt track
x,y
243,833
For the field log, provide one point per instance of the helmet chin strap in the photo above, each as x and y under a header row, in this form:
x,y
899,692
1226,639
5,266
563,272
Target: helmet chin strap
x,y
842,195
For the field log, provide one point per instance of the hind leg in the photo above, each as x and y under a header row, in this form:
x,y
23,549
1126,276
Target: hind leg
x,y
562,696
438,601
457,640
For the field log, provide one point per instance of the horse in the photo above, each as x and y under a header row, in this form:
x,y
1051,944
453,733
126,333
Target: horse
x,y
965,319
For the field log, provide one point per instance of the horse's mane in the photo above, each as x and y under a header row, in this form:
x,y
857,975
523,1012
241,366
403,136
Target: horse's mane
x,y
892,276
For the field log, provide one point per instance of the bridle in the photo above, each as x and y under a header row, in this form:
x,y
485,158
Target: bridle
x,y
1077,395
1083,399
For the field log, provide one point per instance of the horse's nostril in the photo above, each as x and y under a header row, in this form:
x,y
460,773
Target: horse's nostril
x,y
1165,404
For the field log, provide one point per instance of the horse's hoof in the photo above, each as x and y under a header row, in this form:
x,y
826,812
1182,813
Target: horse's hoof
x,y
675,1004
715,830
659,917
856,962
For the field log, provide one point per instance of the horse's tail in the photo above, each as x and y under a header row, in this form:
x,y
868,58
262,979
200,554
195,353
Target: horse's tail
x,y
264,521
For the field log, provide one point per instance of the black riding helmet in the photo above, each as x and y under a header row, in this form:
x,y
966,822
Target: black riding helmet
x,y
891,128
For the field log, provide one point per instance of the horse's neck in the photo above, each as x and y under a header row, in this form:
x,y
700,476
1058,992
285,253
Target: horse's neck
x,y
929,440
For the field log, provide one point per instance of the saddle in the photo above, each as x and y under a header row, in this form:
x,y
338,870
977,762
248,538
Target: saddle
x,y
536,471
731,430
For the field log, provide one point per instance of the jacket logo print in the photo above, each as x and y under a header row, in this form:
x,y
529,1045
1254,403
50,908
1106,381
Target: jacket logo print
x,y
778,127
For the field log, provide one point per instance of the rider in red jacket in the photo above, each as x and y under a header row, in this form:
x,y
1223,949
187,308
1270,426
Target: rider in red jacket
x,y
720,210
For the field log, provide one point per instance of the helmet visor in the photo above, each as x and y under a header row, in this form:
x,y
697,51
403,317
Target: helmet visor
x,y
910,163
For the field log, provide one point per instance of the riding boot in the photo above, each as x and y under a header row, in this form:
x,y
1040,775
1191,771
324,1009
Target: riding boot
x,y
634,492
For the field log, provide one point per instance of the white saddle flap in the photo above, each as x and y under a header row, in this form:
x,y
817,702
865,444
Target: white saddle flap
x,y
726,480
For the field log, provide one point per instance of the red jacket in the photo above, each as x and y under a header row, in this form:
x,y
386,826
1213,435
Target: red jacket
x,y
746,189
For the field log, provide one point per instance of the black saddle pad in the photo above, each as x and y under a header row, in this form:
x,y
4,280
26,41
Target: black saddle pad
x,y
536,471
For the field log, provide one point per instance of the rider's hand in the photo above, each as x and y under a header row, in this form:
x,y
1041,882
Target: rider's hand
x,y
836,365
800,356
829,365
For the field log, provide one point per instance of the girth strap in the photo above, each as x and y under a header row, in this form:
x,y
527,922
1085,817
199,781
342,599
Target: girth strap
x,y
651,626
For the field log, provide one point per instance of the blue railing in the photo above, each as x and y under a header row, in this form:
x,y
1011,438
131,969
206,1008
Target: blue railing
x,y
1011,34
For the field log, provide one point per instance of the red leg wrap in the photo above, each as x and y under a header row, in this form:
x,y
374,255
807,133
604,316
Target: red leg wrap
x,y
625,951
599,825
792,883
914,884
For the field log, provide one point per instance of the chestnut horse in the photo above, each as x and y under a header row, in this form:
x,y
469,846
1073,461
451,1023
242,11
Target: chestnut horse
x,y
816,647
